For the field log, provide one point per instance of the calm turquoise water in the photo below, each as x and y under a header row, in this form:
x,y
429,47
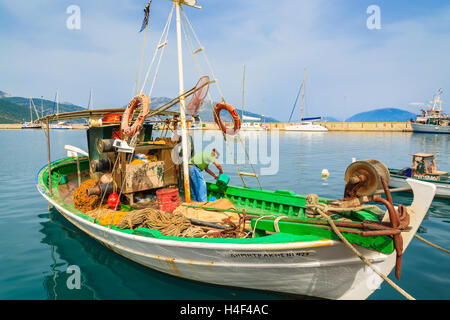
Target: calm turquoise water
x,y
37,245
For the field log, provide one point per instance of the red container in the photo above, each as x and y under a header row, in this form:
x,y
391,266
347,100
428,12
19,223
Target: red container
x,y
112,118
168,199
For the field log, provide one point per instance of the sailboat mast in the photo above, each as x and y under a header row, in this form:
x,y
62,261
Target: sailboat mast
x,y
31,113
243,89
90,101
184,147
303,95
57,104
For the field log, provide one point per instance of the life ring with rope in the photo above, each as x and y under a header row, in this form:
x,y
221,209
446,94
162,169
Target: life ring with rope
x,y
139,100
232,111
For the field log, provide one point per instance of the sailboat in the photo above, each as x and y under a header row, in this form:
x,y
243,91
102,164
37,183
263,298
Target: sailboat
x,y
306,124
59,124
31,124
289,245
253,123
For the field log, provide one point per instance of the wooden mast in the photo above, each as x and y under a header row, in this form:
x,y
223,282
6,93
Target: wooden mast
x,y
187,191
243,89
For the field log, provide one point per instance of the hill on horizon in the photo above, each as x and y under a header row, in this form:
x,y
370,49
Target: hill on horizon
x,y
382,115
17,109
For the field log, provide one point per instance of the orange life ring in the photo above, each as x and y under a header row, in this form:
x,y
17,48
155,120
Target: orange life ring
x,y
144,102
237,121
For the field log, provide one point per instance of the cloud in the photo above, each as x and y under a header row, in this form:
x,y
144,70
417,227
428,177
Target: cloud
x,y
404,61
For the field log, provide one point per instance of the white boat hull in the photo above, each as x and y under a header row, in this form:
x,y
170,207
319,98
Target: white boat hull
x,y
428,128
252,127
326,269
306,128
442,189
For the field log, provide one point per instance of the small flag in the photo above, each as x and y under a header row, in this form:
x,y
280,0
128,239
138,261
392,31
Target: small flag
x,y
147,13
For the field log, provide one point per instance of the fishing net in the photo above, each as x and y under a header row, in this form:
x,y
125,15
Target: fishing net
x,y
81,200
198,97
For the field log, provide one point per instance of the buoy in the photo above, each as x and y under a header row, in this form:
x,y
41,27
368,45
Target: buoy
x,y
325,173
113,200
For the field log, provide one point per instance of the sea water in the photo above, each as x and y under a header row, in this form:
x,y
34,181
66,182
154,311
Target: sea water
x,y
38,246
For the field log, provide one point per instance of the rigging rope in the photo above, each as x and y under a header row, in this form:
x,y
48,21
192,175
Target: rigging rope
x,y
165,32
138,77
295,103
200,72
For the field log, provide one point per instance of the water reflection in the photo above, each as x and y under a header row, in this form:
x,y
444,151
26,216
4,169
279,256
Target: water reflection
x,y
106,275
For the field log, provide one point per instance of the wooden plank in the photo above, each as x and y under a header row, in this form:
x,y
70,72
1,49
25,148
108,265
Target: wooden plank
x,y
171,170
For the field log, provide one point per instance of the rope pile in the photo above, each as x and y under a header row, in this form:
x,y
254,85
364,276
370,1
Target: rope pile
x,y
81,200
168,224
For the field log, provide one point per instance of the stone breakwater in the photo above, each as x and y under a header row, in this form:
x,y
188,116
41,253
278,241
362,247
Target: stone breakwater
x,y
15,126
332,126
340,126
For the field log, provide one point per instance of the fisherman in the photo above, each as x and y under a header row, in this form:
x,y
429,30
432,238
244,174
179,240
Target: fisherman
x,y
198,163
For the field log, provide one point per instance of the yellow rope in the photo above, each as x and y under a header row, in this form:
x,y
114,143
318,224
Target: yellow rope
x,y
431,244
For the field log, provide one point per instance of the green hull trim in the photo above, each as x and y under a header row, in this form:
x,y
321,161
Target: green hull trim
x,y
382,244
255,201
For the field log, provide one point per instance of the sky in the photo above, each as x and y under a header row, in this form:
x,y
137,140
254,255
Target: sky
x,y
350,68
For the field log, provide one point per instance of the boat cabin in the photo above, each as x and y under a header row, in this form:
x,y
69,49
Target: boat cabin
x,y
141,173
424,167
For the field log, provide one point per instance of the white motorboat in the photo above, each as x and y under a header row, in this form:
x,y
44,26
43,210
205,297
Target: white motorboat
x,y
304,125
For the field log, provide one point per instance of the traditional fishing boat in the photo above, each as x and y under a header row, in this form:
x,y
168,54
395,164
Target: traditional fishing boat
x,y
283,242
423,169
432,120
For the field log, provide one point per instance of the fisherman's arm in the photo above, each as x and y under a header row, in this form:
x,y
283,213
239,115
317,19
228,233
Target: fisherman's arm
x,y
212,173
219,167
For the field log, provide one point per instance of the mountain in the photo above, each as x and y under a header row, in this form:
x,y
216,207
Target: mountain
x,y
13,113
383,115
17,109
206,111
329,119
4,94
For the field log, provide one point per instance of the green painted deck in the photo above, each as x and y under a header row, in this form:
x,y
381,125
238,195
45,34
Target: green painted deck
x,y
254,201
